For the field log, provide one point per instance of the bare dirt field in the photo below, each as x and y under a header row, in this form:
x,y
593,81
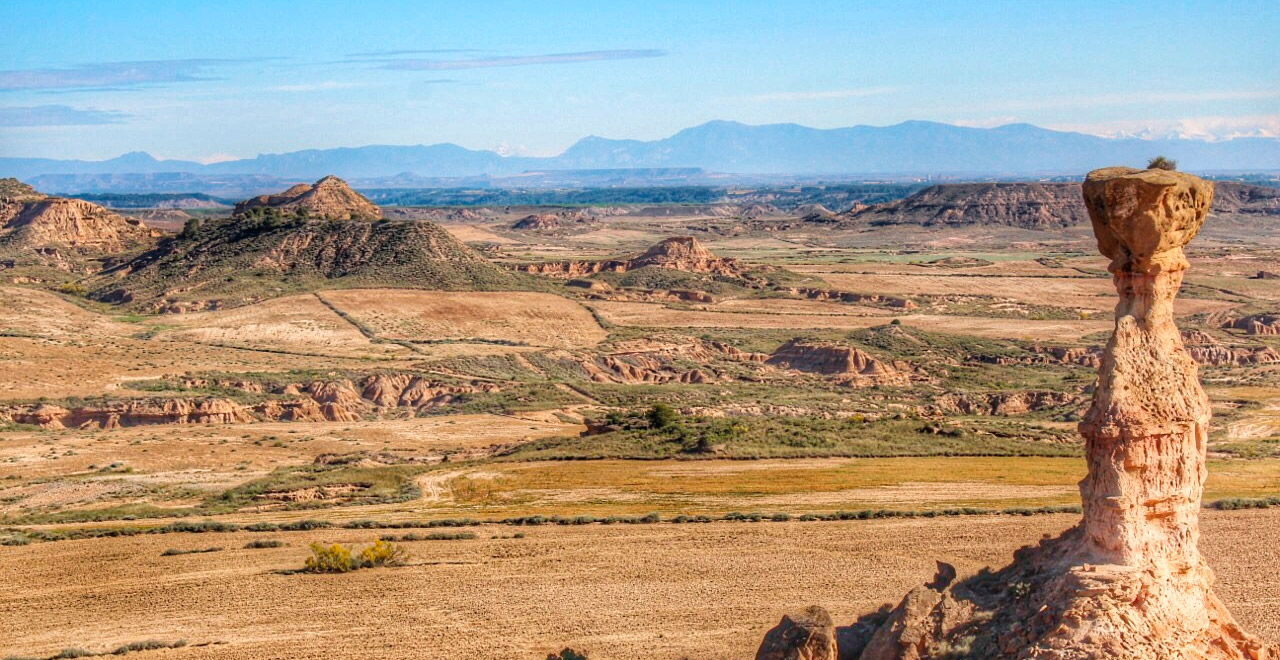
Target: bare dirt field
x,y
704,592
1091,293
661,316
536,319
53,348
295,323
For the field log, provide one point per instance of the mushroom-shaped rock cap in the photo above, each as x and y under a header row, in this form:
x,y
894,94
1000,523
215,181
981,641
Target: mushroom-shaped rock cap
x,y
1142,218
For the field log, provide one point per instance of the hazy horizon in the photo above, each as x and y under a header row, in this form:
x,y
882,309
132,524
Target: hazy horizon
x,y
207,83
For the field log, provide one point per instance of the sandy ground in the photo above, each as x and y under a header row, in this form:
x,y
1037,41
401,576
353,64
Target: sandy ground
x,y
659,316
296,323
536,319
50,347
44,471
1097,294
704,592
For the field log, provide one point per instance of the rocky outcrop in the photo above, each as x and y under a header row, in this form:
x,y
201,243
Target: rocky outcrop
x,y
1244,198
1202,347
329,198
340,400
840,362
29,220
684,253
565,219
1257,324
1028,205
129,412
537,222
851,297
662,361
1207,351
805,635
1000,403
1128,582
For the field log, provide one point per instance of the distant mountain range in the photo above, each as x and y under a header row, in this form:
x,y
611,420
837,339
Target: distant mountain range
x,y
913,148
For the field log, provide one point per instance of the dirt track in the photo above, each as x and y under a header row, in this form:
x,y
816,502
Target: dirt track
x,y
706,592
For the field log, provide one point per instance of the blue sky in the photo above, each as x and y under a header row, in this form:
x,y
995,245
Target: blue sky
x,y
212,80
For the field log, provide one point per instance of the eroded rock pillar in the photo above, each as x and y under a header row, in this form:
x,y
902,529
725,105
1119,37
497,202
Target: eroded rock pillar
x,y
1147,428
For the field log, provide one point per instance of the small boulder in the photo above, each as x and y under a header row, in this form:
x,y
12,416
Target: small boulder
x,y
806,635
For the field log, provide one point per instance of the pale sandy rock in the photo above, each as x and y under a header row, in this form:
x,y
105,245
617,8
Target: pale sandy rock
x,y
841,362
69,223
805,635
1128,582
329,197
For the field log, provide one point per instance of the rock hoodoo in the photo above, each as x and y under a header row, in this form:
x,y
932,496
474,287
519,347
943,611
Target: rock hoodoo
x,y
1128,582
329,198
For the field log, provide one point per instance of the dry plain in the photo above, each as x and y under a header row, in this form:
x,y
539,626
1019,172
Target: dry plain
x,y
415,406
704,592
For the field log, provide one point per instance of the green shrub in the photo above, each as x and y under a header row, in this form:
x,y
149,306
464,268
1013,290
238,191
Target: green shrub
x,y
264,543
661,416
335,558
383,553
1162,163
338,558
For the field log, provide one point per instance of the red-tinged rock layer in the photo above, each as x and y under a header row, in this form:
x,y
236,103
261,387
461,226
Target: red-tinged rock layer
x,y
847,364
1257,324
339,400
1128,582
684,253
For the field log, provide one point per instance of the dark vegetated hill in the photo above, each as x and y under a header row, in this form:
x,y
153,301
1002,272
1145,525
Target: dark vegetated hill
x,y
241,260
155,200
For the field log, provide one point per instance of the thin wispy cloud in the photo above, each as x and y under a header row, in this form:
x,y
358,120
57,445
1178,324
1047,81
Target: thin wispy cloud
x,y
822,95
422,51
323,86
103,75
57,115
517,60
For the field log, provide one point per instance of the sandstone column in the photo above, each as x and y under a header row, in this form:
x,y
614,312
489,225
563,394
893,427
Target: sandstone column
x,y
1128,582
1147,428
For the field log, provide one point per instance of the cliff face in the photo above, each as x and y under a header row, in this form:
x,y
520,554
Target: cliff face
x,y
329,198
31,220
684,253
1257,324
1028,205
846,364
315,401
